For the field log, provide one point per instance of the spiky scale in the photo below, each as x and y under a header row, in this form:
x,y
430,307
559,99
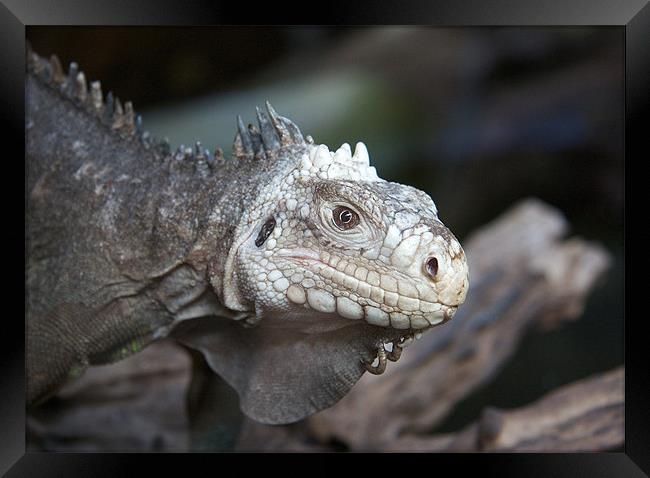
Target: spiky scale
x,y
81,89
201,160
33,60
118,115
270,138
73,69
109,107
57,71
129,118
278,124
244,137
218,155
96,95
238,150
296,135
256,140
71,80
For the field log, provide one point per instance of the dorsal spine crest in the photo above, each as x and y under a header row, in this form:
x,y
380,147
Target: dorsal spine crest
x,y
261,141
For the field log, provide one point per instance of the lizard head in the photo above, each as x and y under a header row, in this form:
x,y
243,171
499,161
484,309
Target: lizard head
x,y
332,264
335,239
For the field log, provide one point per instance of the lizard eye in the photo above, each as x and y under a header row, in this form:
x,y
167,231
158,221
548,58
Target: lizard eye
x,y
264,233
345,218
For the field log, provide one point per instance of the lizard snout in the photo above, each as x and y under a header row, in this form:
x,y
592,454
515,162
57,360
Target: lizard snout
x,y
443,266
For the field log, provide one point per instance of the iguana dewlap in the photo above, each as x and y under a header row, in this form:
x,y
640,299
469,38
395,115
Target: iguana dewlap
x,y
290,266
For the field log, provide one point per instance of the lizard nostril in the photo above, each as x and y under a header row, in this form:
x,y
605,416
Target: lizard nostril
x,y
431,266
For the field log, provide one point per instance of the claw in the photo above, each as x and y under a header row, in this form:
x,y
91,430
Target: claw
x,y
381,366
405,341
394,354
383,355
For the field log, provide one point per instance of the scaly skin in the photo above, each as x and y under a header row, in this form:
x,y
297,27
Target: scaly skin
x,y
289,267
375,271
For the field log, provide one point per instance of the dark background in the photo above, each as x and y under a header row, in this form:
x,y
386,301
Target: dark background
x,y
477,117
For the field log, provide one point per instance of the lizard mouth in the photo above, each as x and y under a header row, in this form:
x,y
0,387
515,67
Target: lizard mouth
x,y
356,296
390,349
356,300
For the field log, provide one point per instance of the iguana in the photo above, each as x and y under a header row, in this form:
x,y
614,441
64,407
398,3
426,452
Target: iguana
x,y
292,268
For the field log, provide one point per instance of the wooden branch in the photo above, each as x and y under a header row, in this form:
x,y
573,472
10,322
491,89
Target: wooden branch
x,y
587,415
521,274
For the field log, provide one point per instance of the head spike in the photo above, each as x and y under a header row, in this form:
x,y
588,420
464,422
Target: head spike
x,y
33,60
129,117
361,154
57,71
238,149
294,131
118,115
256,140
109,108
270,138
198,150
280,127
71,80
271,111
96,95
218,155
81,89
73,69
244,138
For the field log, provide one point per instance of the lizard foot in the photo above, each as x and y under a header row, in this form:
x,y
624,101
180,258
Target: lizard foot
x,y
381,365
397,346
395,352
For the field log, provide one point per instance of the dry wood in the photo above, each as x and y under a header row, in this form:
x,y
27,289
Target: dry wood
x,y
587,415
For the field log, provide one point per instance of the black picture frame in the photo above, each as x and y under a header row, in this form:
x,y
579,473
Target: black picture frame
x,y
631,15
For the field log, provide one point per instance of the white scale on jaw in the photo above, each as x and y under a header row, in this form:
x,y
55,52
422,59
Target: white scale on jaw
x,y
385,286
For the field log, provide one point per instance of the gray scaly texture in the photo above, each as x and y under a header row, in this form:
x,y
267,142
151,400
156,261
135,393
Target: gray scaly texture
x,y
293,269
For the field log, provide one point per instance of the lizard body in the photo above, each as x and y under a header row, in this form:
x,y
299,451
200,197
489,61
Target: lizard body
x,y
289,266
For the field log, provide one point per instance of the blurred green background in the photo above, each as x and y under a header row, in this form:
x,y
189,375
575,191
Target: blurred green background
x,y
477,117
